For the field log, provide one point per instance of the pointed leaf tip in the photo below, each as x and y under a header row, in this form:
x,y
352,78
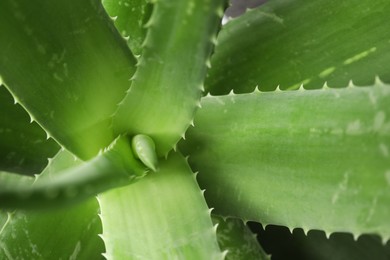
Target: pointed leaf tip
x,y
145,150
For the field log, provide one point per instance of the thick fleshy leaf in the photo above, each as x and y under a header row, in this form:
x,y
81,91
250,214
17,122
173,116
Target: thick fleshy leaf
x,y
69,233
315,159
235,238
113,168
130,17
163,216
65,62
167,86
289,43
23,145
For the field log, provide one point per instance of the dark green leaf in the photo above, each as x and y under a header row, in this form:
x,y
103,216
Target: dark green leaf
x,y
65,62
23,145
69,233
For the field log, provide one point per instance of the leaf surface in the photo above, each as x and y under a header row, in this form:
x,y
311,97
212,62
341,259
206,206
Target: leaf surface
x,y
23,145
130,18
163,216
68,71
315,159
68,233
236,239
167,86
113,168
289,43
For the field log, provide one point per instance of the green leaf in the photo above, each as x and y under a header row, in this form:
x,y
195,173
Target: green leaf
x,y
113,168
289,43
23,145
163,216
145,150
235,238
67,65
167,86
70,233
315,159
130,17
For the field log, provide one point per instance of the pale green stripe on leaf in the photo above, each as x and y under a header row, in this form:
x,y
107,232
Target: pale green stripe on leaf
x,y
315,159
236,240
72,232
113,168
23,145
68,71
130,17
163,216
289,43
167,86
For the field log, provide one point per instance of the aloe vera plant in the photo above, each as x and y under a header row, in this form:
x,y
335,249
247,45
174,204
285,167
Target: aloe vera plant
x,y
149,130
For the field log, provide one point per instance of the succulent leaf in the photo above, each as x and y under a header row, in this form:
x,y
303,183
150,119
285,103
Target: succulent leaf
x,y
53,63
164,215
235,238
166,88
145,150
289,43
72,231
23,145
130,18
315,159
113,168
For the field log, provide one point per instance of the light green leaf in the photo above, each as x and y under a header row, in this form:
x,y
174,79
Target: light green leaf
x,y
163,216
130,17
23,145
69,233
235,238
294,42
113,168
167,86
315,159
67,65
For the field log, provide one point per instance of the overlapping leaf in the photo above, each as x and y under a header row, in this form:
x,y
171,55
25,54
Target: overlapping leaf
x,y
237,240
289,43
167,86
163,216
23,145
315,159
113,168
65,62
130,18
67,233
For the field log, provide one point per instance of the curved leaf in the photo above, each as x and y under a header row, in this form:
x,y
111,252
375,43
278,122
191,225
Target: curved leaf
x,y
315,159
289,43
23,145
235,238
167,86
130,18
70,233
113,168
67,65
163,216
